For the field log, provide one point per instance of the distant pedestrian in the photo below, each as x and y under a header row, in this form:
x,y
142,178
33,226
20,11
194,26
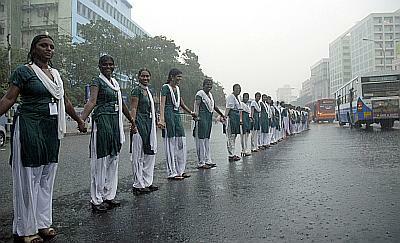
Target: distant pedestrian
x,y
170,121
255,124
107,135
232,112
265,122
245,124
204,106
143,135
39,124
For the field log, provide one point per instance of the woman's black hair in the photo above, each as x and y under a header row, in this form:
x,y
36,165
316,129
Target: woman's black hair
x,y
207,80
236,85
104,58
173,73
244,94
142,70
264,95
258,93
35,40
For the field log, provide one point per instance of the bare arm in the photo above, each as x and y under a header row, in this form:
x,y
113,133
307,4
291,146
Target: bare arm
x,y
186,108
161,123
196,106
69,108
219,111
9,99
134,105
126,113
87,109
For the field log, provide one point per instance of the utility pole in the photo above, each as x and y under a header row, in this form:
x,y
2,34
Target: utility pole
x,y
9,53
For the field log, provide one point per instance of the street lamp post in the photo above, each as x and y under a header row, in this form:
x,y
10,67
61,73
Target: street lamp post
x,y
383,49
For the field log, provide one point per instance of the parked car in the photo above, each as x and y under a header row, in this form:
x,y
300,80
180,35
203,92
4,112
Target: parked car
x,y
2,136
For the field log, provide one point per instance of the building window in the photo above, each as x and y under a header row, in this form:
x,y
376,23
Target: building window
x,y
1,7
1,30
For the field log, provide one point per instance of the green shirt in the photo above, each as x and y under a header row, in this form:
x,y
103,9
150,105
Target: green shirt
x,y
105,116
143,117
38,129
172,117
204,123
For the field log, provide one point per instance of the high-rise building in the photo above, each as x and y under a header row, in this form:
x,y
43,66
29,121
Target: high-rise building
x,y
372,42
4,22
285,94
31,17
339,62
320,79
396,61
305,96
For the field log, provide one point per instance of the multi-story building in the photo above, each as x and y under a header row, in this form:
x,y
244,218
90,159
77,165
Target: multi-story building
x,y
372,42
31,17
320,79
339,62
285,94
305,96
4,22
396,61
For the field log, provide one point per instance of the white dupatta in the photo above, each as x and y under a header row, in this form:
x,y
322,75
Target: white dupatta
x,y
176,102
56,89
207,100
256,105
116,88
153,135
245,107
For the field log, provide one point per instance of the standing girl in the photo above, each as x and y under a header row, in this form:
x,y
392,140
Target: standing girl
x,y
143,134
170,121
107,135
232,111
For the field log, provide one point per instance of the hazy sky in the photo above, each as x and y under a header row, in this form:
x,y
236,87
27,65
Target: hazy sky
x,y
260,44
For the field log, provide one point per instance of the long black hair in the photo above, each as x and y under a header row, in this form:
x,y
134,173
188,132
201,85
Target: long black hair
x,y
173,73
142,70
35,40
104,58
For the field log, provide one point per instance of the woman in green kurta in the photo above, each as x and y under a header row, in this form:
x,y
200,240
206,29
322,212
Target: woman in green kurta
x,y
39,124
264,122
203,107
245,125
107,135
232,111
255,126
170,122
143,135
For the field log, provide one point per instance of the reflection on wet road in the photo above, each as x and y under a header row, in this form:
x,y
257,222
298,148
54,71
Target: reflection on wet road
x,y
326,184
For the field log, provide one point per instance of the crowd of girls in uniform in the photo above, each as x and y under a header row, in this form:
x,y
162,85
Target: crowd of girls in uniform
x,y
39,125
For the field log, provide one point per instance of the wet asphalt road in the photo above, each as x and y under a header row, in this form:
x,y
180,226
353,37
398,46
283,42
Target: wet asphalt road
x,y
326,184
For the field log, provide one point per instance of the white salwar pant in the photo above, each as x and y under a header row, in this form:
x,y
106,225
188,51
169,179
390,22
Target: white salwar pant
x,y
32,192
142,164
103,172
286,126
244,140
255,134
231,140
265,139
175,153
203,151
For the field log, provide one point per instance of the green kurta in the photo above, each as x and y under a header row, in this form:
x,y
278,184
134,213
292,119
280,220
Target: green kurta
x,y
204,124
246,127
105,117
172,117
234,121
255,125
38,129
264,120
143,117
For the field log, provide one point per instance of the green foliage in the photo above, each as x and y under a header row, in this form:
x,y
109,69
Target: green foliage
x,y
78,62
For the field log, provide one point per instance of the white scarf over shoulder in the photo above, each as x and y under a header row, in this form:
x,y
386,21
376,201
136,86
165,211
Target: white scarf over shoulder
x,y
207,100
153,135
115,86
56,89
245,107
256,105
232,102
176,102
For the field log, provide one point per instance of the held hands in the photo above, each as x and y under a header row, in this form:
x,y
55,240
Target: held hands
x,y
82,126
161,124
133,128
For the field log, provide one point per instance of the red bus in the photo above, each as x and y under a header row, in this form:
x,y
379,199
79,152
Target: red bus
x,y
322,110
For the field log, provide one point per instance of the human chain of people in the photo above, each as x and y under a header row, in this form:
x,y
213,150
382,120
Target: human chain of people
x,y
39,125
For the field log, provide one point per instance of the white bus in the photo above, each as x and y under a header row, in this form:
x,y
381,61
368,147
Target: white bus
x,y
369,99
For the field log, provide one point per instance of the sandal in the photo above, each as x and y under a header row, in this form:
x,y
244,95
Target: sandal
x,y
205,166
47,233
176,178
184,175
31,239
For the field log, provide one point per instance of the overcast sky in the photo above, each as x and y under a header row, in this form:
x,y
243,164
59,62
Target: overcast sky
x,y
260,44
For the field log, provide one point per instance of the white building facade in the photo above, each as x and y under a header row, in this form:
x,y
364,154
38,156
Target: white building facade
x,y
339,62
320,80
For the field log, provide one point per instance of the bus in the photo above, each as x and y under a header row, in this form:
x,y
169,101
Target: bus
x,y
369,99
322,110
